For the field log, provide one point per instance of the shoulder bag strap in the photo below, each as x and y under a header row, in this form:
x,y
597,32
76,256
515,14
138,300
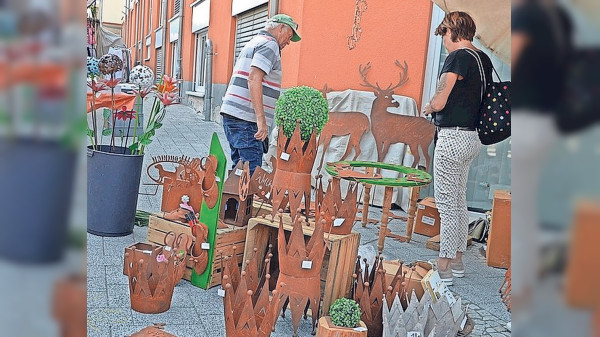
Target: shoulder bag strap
x,y
481,73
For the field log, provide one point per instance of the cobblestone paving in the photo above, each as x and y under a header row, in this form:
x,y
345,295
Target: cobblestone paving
x,y
196,312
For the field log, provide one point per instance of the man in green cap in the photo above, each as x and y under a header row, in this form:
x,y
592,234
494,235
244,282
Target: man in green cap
x,y
249,103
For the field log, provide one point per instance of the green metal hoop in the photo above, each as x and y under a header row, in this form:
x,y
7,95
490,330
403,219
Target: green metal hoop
x,y
394,182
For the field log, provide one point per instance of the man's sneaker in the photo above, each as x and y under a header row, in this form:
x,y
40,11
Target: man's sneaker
x,y
458,269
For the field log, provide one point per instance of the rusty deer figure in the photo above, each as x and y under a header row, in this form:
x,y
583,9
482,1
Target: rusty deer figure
x,y
352,123
390,128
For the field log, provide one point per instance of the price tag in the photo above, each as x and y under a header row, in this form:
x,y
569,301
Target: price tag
x,y
285,156
427,220
205,245
463,323
421,206
168,248
268,195
217,179
338,222
413,334
307,264
221,292
238,172
360,329
148,251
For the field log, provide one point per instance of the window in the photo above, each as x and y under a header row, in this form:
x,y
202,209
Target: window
x,y
148,47
199,61
161,13
176,7
249,24
159,64
174,64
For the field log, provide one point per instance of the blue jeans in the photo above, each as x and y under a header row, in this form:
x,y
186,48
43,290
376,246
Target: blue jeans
x,y
240,135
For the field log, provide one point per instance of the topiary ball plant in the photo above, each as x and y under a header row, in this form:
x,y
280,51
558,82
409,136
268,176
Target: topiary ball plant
x,y
345,313
304,104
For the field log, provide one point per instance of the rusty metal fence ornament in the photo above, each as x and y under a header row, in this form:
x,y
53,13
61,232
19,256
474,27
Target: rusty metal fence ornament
x,y
248,308
370,289
261,183
292,179
338,214
299,281
199,254
154,271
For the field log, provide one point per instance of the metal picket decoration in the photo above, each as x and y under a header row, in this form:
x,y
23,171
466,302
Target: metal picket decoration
x,y
248,308
154,271
292,179
299,282
338,213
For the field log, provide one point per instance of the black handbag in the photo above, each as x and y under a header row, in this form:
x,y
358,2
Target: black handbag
x,y
494,112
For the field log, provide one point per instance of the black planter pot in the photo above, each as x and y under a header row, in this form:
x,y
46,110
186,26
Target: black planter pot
x,y
113,182
36,180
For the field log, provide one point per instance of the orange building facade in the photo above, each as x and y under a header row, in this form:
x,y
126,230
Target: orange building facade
x,y
337,37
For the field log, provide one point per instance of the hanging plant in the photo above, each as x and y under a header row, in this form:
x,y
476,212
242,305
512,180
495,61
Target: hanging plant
x,y
305,105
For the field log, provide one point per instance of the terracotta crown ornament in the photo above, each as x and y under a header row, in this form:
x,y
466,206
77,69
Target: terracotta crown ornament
x,y
154,271
300,264
248,308
292,180
339,215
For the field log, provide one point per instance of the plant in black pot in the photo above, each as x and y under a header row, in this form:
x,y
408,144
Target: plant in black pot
x,y
300,113
114,170
343,320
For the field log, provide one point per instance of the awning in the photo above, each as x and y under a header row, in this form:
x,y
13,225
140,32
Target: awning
x,y
492,19
106,39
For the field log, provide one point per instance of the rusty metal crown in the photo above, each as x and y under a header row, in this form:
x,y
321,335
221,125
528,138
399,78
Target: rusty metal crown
x,y
339,214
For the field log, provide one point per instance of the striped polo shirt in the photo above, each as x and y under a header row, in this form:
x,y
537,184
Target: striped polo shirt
x,y
262,51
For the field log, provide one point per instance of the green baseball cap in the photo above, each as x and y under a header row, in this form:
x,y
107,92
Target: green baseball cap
x,y
282,18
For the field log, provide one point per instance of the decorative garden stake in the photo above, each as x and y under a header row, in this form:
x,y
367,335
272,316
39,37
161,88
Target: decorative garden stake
x,y
154,271
301,113
300,265
249,311
338,214
261,182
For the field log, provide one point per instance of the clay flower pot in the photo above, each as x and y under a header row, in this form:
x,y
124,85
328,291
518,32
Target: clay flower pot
x,y
328,329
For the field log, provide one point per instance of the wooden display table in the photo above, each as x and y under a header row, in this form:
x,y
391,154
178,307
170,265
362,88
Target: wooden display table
x,y
338,264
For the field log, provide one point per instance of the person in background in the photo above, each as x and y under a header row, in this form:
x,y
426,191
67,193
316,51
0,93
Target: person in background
x,y
249,104
455,110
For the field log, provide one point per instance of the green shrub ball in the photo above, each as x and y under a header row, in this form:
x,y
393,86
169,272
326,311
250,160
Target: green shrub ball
x,y
304,104
345,313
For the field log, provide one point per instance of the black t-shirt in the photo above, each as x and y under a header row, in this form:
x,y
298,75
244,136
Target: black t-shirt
x,y
539,74
462,107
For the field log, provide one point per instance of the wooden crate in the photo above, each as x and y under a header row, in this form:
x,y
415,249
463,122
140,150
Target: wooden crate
x,y
498,245
227,238
339,261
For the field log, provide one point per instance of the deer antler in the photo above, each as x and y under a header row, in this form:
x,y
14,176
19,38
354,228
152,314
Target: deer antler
x,y
363,73
403,75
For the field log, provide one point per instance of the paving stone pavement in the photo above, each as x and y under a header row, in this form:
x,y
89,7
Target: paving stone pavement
x,y
198,312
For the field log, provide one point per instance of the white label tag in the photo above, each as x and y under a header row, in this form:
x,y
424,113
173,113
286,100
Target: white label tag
x,y
443,290
238,172
360,329
205,245
268,195
413,334
463,323
221,292
427,220
338,222
217,179
285,156
307,264
168,248
149,251
421,206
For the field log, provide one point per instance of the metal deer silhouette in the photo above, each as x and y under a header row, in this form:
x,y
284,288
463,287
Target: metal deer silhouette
x,y
390,128
354,124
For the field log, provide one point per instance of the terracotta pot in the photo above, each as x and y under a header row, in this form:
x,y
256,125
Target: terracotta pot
x,y
69,306
328,329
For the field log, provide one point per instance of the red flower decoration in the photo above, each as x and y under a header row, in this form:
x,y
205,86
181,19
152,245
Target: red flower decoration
x,y
168,84
112,82
125,114
168,98
96,86
143,92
